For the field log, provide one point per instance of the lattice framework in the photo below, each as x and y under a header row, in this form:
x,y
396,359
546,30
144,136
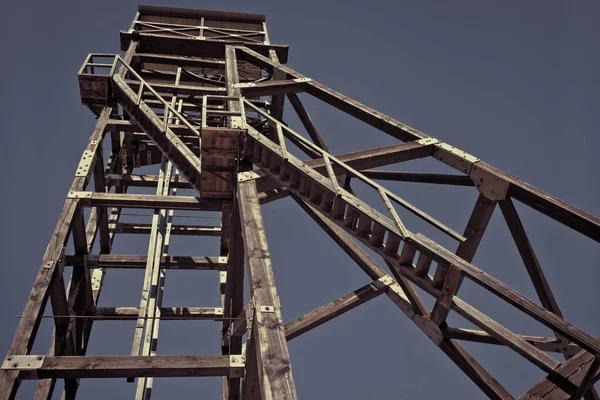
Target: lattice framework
x,y
201,94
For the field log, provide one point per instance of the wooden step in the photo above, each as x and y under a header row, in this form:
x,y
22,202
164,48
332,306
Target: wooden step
x,y
440,275
423,265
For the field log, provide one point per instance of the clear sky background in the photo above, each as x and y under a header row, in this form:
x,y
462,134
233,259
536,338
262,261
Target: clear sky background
x,y
514,83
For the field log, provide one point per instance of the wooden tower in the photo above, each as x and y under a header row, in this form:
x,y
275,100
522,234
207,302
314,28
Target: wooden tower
x,y
199,95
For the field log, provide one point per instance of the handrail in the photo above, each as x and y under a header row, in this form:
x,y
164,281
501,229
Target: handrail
x,y
386,194
118,60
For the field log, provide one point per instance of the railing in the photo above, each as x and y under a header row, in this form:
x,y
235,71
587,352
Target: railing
x,y
88,68
329,160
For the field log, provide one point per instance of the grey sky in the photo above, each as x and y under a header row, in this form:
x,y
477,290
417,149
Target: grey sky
x,y
514,83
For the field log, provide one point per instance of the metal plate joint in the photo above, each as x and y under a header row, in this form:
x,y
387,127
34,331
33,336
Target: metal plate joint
x,y
384,281
429,140
301,80
243,85
23,362
456,158
237,364
79,195
85,163
267,309
247,176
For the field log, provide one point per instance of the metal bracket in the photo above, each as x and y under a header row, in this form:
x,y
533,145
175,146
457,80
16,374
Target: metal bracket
x,y
223,260
222,281
79,195
237,364
384,281
96,280
219,311
489,185
454,157
23,362
267,309
301,80
247,176
83,169
243,85
429,140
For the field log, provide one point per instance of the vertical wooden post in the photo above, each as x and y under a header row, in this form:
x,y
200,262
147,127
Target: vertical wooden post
x,y
273,360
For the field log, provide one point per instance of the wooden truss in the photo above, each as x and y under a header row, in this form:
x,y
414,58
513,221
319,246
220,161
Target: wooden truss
x,y
207,131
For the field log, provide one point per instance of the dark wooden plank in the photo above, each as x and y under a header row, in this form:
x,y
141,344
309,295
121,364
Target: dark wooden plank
x,y
549,205
133,180
139,262
166,313
503,335
182,230
335,308
479,375
307,121
419,177
530,260
564,382
550,344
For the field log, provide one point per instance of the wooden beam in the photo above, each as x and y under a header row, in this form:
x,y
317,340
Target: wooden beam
x,y
157,43
568,215
166,313
543,343
362,159
503,335
565,381
92,199
306,121
139,262
336,99
177,60
133,180
478,222
482,378
336,308
418,177
42,287
231,244
44,367
271,345
530,260
181,230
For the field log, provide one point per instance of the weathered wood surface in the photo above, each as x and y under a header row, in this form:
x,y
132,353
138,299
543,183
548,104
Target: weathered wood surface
x,y
123,366
90,199
272,354
555,208
336,308
182,230
139,261
564,382
415,311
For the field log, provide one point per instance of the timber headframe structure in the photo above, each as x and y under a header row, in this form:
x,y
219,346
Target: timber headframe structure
x,y
199,95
